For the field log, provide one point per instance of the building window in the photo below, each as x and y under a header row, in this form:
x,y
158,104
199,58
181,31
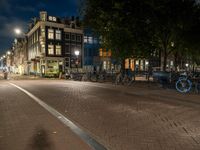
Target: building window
x,y
43,32
50,34
67,36
95,41
78,38
58,50
90,40
54,19
43,17
67,49
50,49
104,65
73,38
43,48
58,35
85,39
101,52
50,18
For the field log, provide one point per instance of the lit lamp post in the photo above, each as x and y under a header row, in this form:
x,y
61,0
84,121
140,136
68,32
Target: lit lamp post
x,y
17,31
77,52
187,65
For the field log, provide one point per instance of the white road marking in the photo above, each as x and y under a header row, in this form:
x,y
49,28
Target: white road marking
x,y
82,134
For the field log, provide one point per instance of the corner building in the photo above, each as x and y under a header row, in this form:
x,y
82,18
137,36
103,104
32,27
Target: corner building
x,y
52,43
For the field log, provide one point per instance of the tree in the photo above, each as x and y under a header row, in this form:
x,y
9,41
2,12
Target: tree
x,y
134,28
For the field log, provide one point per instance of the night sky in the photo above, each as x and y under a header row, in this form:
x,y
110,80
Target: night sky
x,y
18,13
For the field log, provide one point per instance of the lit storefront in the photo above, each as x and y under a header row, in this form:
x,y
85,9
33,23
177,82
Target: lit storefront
x,y
51,67
136,64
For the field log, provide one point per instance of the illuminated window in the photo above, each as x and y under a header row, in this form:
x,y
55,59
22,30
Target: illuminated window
x,y
50,34
104,65
43,17
42,32
58,35
50,49
43,48
100,52
58,50
50,18
54,19
126,63
90,40
85,39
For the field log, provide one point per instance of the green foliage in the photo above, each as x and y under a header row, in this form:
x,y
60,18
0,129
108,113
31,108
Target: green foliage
x,y
135,28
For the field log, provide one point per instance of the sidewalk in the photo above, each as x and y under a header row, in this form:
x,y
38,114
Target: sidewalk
x,y
24,125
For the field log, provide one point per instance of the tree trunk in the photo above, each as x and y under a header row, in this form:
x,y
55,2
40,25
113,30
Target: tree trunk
x,y
122,70
176,61
165,60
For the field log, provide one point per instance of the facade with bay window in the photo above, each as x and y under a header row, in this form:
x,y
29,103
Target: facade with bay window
x,y
52,43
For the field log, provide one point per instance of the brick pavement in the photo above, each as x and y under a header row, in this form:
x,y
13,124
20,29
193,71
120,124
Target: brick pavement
x,y
24,125
123,118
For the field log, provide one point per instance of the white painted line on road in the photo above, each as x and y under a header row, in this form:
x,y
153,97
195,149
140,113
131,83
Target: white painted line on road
x,y
82,134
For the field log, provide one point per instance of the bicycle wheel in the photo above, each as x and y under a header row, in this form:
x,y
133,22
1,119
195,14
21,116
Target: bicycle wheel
x,y
183,85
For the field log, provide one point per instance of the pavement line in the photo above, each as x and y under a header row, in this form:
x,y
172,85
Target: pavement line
x,y
82,134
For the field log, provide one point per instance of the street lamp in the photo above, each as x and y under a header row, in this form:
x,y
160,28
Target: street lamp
x,y
77,52
17,31
8,52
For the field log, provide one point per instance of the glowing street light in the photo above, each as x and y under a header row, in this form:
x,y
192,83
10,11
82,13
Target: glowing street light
x,y
17,31
4,56
77,52
187,65
8,52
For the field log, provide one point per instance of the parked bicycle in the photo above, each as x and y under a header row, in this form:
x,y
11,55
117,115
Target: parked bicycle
x,y
124,79
186,82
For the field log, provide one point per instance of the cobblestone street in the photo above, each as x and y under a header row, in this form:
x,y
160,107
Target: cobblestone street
x,y
125,118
